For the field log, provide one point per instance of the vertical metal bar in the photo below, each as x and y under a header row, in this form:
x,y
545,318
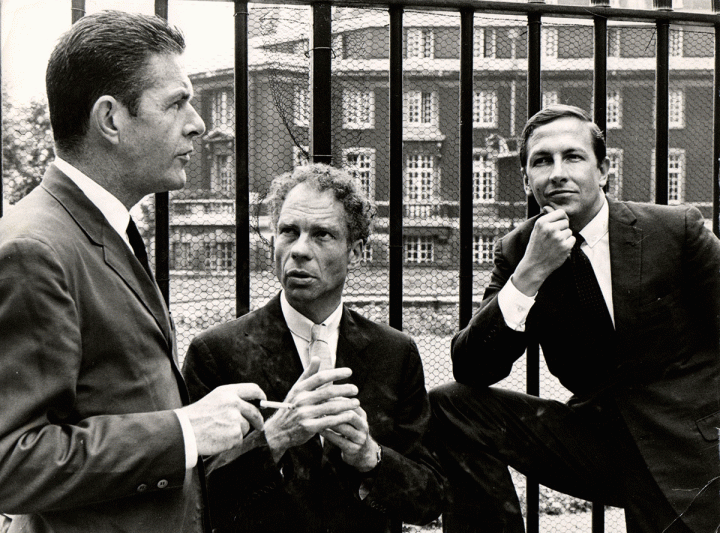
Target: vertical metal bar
x,y
466,166
162,214
534,105
600,72
716,129
77,10
2,192
396,167
320,54
242,173
662,81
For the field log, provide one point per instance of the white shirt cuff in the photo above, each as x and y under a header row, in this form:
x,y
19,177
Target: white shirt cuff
x,y
514,306
191,454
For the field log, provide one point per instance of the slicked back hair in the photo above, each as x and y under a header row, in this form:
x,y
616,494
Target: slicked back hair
x,y
104,53
555,112
359,210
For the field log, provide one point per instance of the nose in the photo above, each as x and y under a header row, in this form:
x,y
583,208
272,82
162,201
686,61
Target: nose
x,y
195,125
557,172
301,247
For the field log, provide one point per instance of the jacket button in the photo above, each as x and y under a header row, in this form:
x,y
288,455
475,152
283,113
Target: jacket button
x,y
142,487
162,483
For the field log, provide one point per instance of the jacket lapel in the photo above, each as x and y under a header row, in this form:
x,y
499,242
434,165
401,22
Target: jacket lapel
x,y
625,264
116,253
352,343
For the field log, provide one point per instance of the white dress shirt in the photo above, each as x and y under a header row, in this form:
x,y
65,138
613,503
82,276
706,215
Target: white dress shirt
x,y
118,217
300,326
515,306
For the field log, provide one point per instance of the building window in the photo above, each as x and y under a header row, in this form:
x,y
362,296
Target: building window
x,y
301,155
360,162
181,256
219,256
420,43
614,183
338,46
301,106
483,249
613,42
676,176
419,249
485,43
676,43
485,109
421,108
221,107
550,42
550,98
367,253
358,109
485,173
221,173
614,109
419,185
676,114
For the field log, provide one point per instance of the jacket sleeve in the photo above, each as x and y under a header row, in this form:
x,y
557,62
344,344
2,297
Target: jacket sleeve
x,y
485,350
409,482
50,459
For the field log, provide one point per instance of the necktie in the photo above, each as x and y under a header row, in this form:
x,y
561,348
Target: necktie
x,y
590,296
138,246
319,346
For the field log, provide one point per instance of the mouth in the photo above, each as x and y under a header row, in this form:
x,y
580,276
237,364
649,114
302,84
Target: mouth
x,y
558,193
185,156
297,274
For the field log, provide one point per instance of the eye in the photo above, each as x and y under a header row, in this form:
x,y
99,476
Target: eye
x,y
323,235
540,161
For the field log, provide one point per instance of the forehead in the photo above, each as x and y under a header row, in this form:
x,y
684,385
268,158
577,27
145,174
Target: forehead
x,y
567,133
165,73
307,205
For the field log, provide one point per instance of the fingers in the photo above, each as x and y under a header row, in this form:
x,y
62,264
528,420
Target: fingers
x,y
250,417
247,391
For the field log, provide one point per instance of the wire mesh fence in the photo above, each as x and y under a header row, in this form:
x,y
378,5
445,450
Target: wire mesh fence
x,y
202,248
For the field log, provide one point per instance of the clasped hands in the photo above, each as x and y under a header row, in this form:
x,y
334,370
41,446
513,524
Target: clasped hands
x,y
326,409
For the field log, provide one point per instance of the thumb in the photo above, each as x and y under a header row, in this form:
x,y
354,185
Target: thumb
x,y
247,391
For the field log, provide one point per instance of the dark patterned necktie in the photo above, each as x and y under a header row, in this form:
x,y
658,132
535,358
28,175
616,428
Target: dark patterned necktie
x,y
589,294
138,246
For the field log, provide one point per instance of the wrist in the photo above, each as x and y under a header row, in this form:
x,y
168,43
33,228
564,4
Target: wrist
x,y
374,455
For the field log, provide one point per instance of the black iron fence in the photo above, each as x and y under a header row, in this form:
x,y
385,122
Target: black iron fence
x,y
423,100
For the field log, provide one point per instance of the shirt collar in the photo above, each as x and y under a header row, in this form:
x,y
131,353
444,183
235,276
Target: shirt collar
x,y
112,209
597,228
300,325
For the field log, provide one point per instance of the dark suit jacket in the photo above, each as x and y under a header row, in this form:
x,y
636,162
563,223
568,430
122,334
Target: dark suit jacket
x,y
312,489
88,377
662,369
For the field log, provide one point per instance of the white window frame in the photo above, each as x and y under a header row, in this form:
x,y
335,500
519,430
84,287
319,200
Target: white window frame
x,y
550,98
182,255
420,43
358,109
219,256
221,172
485,177
550,42
479,44
483,249
420,109
615,156
363,169
676,42
485,109
614,41
676,176
676,109
419,249
221,101
301,106
614,109
420,178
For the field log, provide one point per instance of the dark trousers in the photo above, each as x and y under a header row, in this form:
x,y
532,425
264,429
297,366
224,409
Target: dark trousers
x,y
586,452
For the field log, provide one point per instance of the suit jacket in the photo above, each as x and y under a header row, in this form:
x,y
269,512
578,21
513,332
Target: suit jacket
x,y
661,369
312,489
88,377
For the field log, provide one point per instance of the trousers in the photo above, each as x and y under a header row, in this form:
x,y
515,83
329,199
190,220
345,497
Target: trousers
x,y
586,452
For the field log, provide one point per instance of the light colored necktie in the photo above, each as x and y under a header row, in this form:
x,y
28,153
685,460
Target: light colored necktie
x,y
319,346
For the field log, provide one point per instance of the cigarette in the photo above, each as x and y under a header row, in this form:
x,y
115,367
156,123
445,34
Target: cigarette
x,y
267,404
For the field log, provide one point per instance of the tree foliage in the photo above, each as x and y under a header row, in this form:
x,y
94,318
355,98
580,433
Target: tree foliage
x,y
27,146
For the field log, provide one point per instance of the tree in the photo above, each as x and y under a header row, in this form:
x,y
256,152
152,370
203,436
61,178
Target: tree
x,y
27,146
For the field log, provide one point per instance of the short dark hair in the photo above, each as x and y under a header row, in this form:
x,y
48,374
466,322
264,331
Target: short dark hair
x,y
359,210
558,111
105,53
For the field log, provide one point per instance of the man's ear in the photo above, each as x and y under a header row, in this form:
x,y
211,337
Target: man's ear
x,y
604,169
526,183
355,253
105,119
